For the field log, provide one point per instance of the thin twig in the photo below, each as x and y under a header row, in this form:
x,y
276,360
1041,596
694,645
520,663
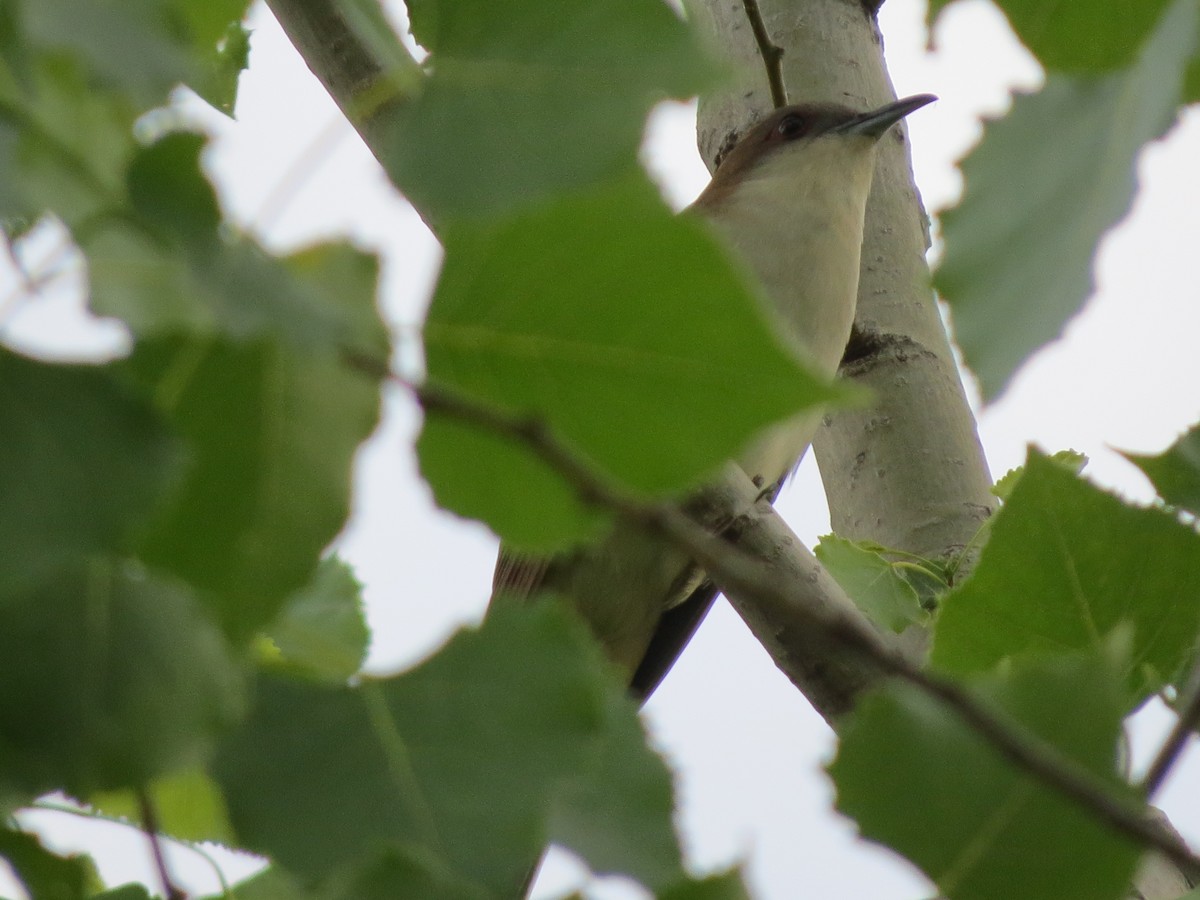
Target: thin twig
x,y
98,815
150,828
1185,726
733,568
771,53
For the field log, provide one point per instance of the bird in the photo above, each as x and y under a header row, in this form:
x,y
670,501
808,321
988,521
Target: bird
x,y
788,201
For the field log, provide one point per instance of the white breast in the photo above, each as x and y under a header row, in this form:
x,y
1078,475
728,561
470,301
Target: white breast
x,y
797,223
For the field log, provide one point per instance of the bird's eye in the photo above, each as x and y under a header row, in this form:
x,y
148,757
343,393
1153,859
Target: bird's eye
x,y
791,127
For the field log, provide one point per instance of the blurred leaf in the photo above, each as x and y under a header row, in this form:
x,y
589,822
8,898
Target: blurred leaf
x,y
132,46
210,22
108,677
1045,184
1084,35
522,105
218,83
877,586
45,875
324,778
629,783
403,873
272,883
1176,471
322,629
272,436
622,328
189,806
916,779
1067,564
172,272
139,48
132,891
167,187
83,464
63,147
725,886
1071,460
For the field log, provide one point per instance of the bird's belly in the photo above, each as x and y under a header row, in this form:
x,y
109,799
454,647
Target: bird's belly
x,y
778,449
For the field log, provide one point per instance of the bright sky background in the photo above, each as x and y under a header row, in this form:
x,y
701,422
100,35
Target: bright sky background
x,y
747,748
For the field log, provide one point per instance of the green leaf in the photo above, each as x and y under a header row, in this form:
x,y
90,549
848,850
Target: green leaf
x,y
628,782
219,82
880,588
170,271
187,804
1175,472
132,47
1084,35
168,189
45,875
272,436
325,777
63,147
622,328
1071,460
726,886
321,629
916,779
521,105
1044,185
210,22
131,891
1066,565
403,873
108,677
83,464
272,883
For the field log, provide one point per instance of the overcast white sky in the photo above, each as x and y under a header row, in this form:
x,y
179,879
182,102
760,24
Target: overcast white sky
x,y
1125,375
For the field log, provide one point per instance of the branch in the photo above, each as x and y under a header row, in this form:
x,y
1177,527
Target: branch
x,y
1185,726
150,827
771,53
367,85
740,574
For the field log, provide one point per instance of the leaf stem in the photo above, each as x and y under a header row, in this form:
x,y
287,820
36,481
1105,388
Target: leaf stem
x,y
149,818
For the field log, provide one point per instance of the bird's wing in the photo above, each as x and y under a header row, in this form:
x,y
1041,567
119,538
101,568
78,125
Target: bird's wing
x,y
519,574
674,632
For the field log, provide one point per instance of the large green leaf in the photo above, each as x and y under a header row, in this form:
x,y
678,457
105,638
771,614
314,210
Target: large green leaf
x,y
522,102
272,435
915,778
83,463
457,766
1083,35
622,328
108,677
1041,189
1066,565
1176,471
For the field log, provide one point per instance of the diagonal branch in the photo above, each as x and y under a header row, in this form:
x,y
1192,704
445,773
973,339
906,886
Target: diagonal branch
x,y
741,576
